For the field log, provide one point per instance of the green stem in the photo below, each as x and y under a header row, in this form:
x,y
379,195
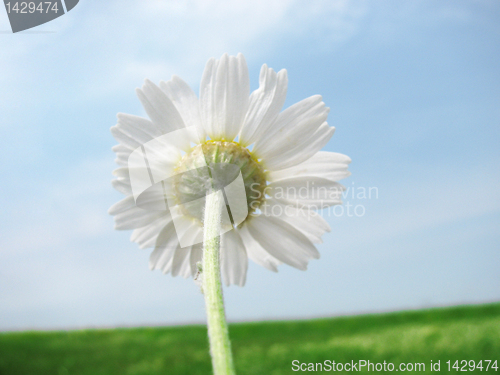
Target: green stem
x,y
220,346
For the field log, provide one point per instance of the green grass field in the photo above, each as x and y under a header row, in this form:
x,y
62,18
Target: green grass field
x,y
458,333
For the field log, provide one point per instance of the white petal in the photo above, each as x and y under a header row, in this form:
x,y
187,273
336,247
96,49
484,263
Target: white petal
x,y
308,191
188,231
234,261
309,222
153,199
256,252
282,241
122,154
185,269
146,236
140,129
159,108
121,172
185,259
122,206
162,157
195,257
136,217
264,105
180,263
186,102
292,126
124,139
329,165
207,105
122,185
224,94
166,244
299,154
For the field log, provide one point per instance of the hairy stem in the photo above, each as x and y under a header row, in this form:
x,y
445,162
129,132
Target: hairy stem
x,y
220,346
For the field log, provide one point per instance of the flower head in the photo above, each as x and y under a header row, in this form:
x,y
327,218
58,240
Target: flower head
x,y
270,158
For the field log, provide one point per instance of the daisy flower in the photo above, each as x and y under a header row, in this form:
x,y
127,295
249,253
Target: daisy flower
x,y
284,178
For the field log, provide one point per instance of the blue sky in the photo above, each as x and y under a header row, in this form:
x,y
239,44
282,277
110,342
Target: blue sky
x,y
414,92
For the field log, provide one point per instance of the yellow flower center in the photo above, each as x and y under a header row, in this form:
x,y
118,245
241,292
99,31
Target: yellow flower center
x,y
213,165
